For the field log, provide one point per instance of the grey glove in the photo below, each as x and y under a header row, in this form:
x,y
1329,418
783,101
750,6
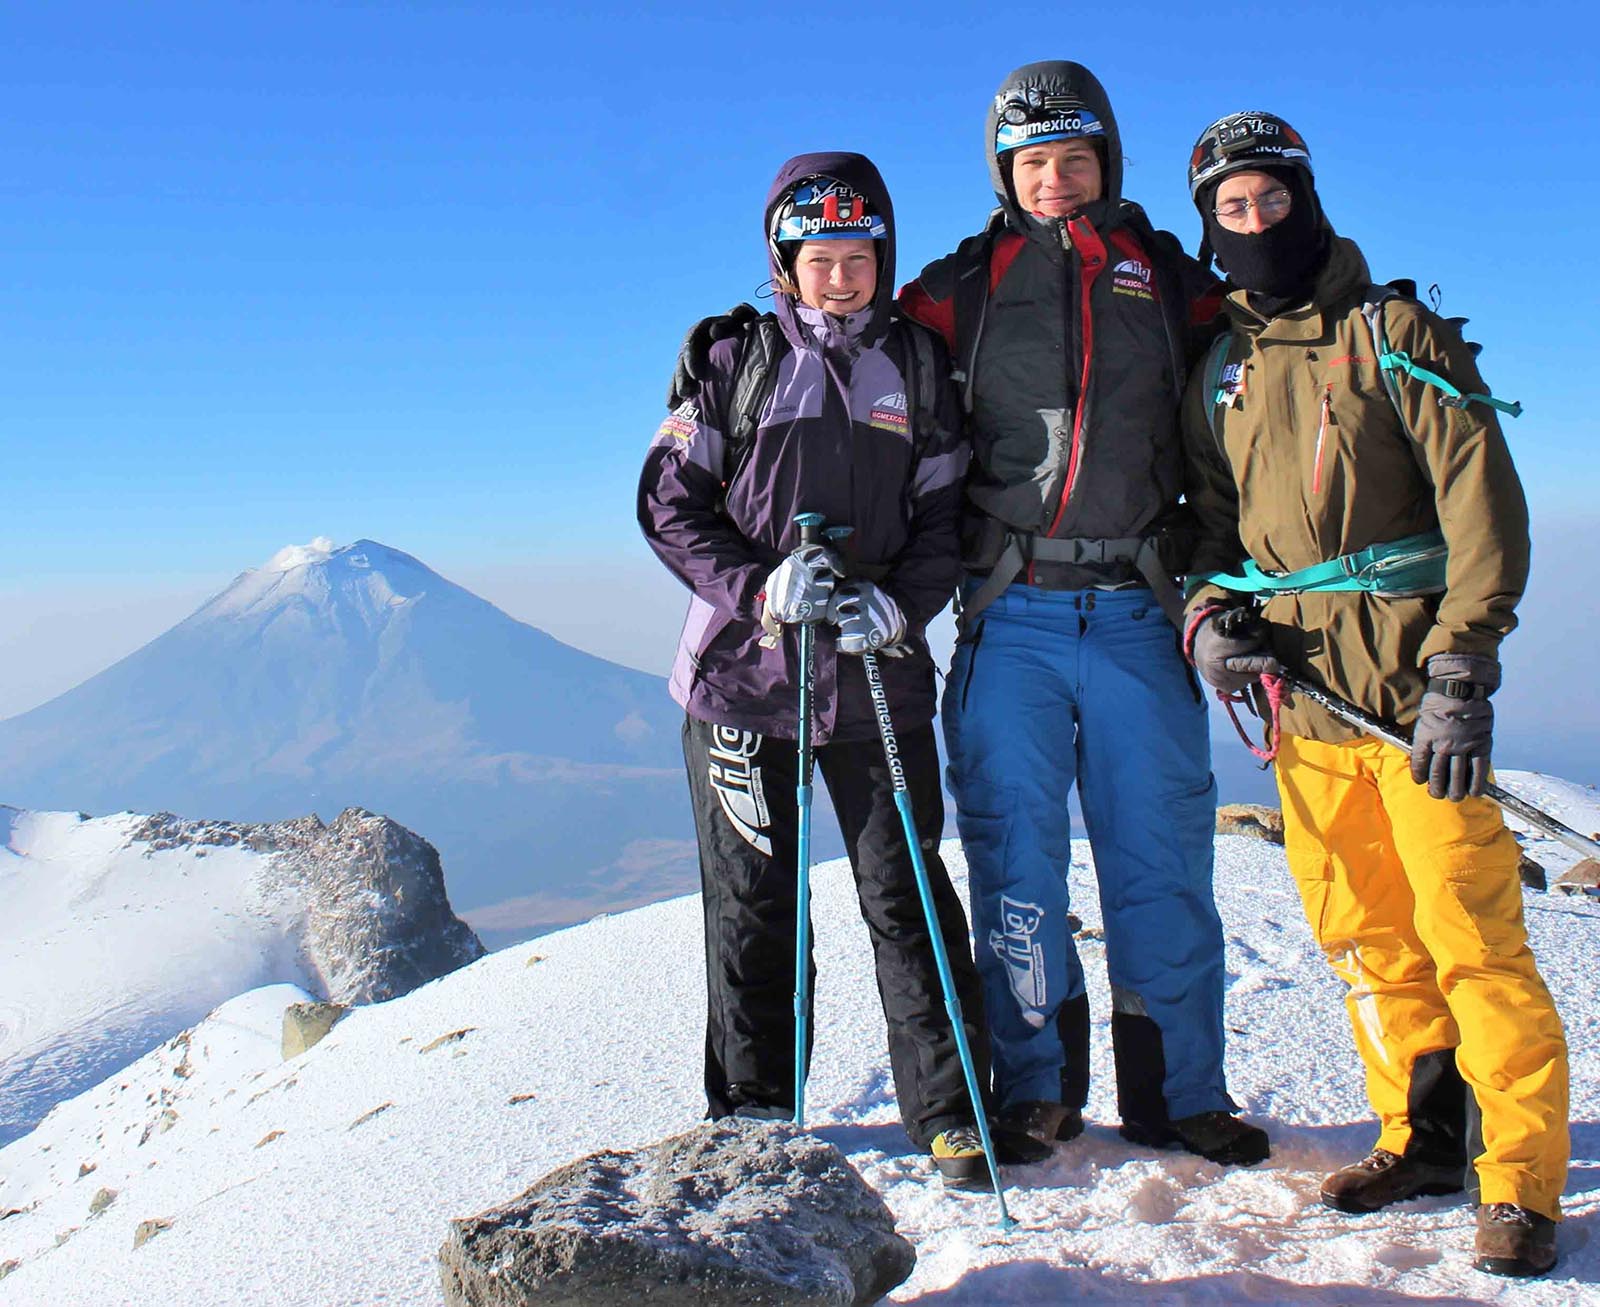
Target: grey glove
x,y
1455,726
799,588
694,356
868,619
1230,651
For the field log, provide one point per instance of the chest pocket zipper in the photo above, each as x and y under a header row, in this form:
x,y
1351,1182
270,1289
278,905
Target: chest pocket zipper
x,y
1322,436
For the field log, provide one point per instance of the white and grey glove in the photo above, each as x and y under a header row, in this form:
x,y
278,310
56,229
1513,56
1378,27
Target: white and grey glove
x,y
1451,742
868,619
799,588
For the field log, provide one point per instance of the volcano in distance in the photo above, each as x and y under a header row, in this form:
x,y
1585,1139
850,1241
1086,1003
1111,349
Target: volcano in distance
x,y
550,780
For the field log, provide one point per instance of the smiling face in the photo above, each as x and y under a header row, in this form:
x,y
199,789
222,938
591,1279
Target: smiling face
x,y
1057,178
838,276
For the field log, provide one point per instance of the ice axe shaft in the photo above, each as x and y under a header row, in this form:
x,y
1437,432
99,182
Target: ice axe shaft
x,y
1378,729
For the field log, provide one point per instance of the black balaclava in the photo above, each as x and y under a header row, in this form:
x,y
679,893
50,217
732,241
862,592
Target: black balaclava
x,y
1278,266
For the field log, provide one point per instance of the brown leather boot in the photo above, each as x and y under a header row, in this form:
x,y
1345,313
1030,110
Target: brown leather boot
x,y
1381,1178
1514,1241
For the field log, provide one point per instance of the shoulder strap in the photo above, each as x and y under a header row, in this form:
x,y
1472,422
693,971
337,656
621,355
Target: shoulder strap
x,y
925,365
753,383
1392,362
1216,360
973,257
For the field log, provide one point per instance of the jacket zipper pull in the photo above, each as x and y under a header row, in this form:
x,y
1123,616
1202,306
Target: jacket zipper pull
x,y
1322,432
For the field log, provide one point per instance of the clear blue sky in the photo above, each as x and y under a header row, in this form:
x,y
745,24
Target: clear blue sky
x,y
418,271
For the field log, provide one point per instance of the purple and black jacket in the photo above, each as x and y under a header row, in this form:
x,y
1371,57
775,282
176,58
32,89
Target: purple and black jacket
x,y
834,438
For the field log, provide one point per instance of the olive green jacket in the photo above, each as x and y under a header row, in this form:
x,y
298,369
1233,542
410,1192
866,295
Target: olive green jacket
x,y
1318,464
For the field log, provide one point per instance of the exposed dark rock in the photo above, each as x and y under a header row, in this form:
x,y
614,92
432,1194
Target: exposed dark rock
x,y
1531,873
1255,820
732,1214
304,1025
148,1230
378,922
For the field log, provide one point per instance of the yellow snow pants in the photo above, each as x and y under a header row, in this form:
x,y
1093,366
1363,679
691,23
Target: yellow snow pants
x,y
1417,904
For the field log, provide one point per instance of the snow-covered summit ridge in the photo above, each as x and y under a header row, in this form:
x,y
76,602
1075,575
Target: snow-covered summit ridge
x,y
365,577
120,931
292,556
464,1092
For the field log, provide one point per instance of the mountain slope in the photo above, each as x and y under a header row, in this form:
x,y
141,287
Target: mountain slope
x,y
358,677
121,931
326,1181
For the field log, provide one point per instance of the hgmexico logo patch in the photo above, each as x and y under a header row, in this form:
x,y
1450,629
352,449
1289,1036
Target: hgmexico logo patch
x,y
1131,277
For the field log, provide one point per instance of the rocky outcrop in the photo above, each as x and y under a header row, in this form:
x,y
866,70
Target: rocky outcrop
x,y
1581,878
1254,820
730,1214
304,1024
377,920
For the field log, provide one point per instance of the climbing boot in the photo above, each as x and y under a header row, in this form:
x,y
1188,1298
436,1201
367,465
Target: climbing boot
x,y
1514,1241
1381,1178
958,1153
1216,1136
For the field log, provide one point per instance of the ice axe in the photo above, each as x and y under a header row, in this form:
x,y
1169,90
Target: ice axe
x,y
1381,730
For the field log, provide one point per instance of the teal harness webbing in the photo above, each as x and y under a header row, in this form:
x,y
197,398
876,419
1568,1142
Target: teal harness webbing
x,y
1412,566
1396,360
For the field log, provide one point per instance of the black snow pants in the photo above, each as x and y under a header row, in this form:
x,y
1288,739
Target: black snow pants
x,y
743,788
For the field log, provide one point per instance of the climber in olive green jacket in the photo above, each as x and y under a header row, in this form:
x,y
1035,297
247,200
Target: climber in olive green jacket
x,y
1375,515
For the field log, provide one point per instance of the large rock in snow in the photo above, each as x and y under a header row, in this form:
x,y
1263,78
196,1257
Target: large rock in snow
x,y
376,919
119,932
730,1214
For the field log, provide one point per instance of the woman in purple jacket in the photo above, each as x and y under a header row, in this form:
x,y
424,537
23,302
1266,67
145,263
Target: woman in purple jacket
x,y
852,428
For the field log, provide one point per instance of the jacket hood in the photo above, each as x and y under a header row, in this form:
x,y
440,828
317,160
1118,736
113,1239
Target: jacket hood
x,y
860,174
1056,77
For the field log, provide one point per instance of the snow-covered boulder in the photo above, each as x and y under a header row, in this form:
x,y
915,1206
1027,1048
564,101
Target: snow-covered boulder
x,y
731,1213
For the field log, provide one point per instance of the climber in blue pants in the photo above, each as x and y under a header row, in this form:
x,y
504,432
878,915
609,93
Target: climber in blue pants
x,y
1049,688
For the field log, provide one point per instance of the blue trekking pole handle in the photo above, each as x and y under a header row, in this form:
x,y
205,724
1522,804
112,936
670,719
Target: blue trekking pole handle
x,y
810,525
941,957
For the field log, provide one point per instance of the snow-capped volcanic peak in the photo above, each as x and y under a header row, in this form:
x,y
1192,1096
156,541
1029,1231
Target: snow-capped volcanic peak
x,y
368,577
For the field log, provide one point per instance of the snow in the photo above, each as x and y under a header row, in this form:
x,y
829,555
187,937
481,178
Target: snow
x,y
292,556
328,1179
110,945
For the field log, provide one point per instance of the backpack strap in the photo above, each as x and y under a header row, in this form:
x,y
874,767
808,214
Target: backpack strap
x,y
753,383
1215,397
1392,362
923,364
973,257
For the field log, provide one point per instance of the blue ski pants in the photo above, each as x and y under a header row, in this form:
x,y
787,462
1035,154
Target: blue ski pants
x,y
1052,687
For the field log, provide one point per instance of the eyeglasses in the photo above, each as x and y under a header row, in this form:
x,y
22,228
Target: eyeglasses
x,y
1271,206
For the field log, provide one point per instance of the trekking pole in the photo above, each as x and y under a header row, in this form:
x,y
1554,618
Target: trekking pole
x,y
810,525
952,1004
1353,716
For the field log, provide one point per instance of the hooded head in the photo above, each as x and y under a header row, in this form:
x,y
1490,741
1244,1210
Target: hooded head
x,y
830,196
1052,101
1279,259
